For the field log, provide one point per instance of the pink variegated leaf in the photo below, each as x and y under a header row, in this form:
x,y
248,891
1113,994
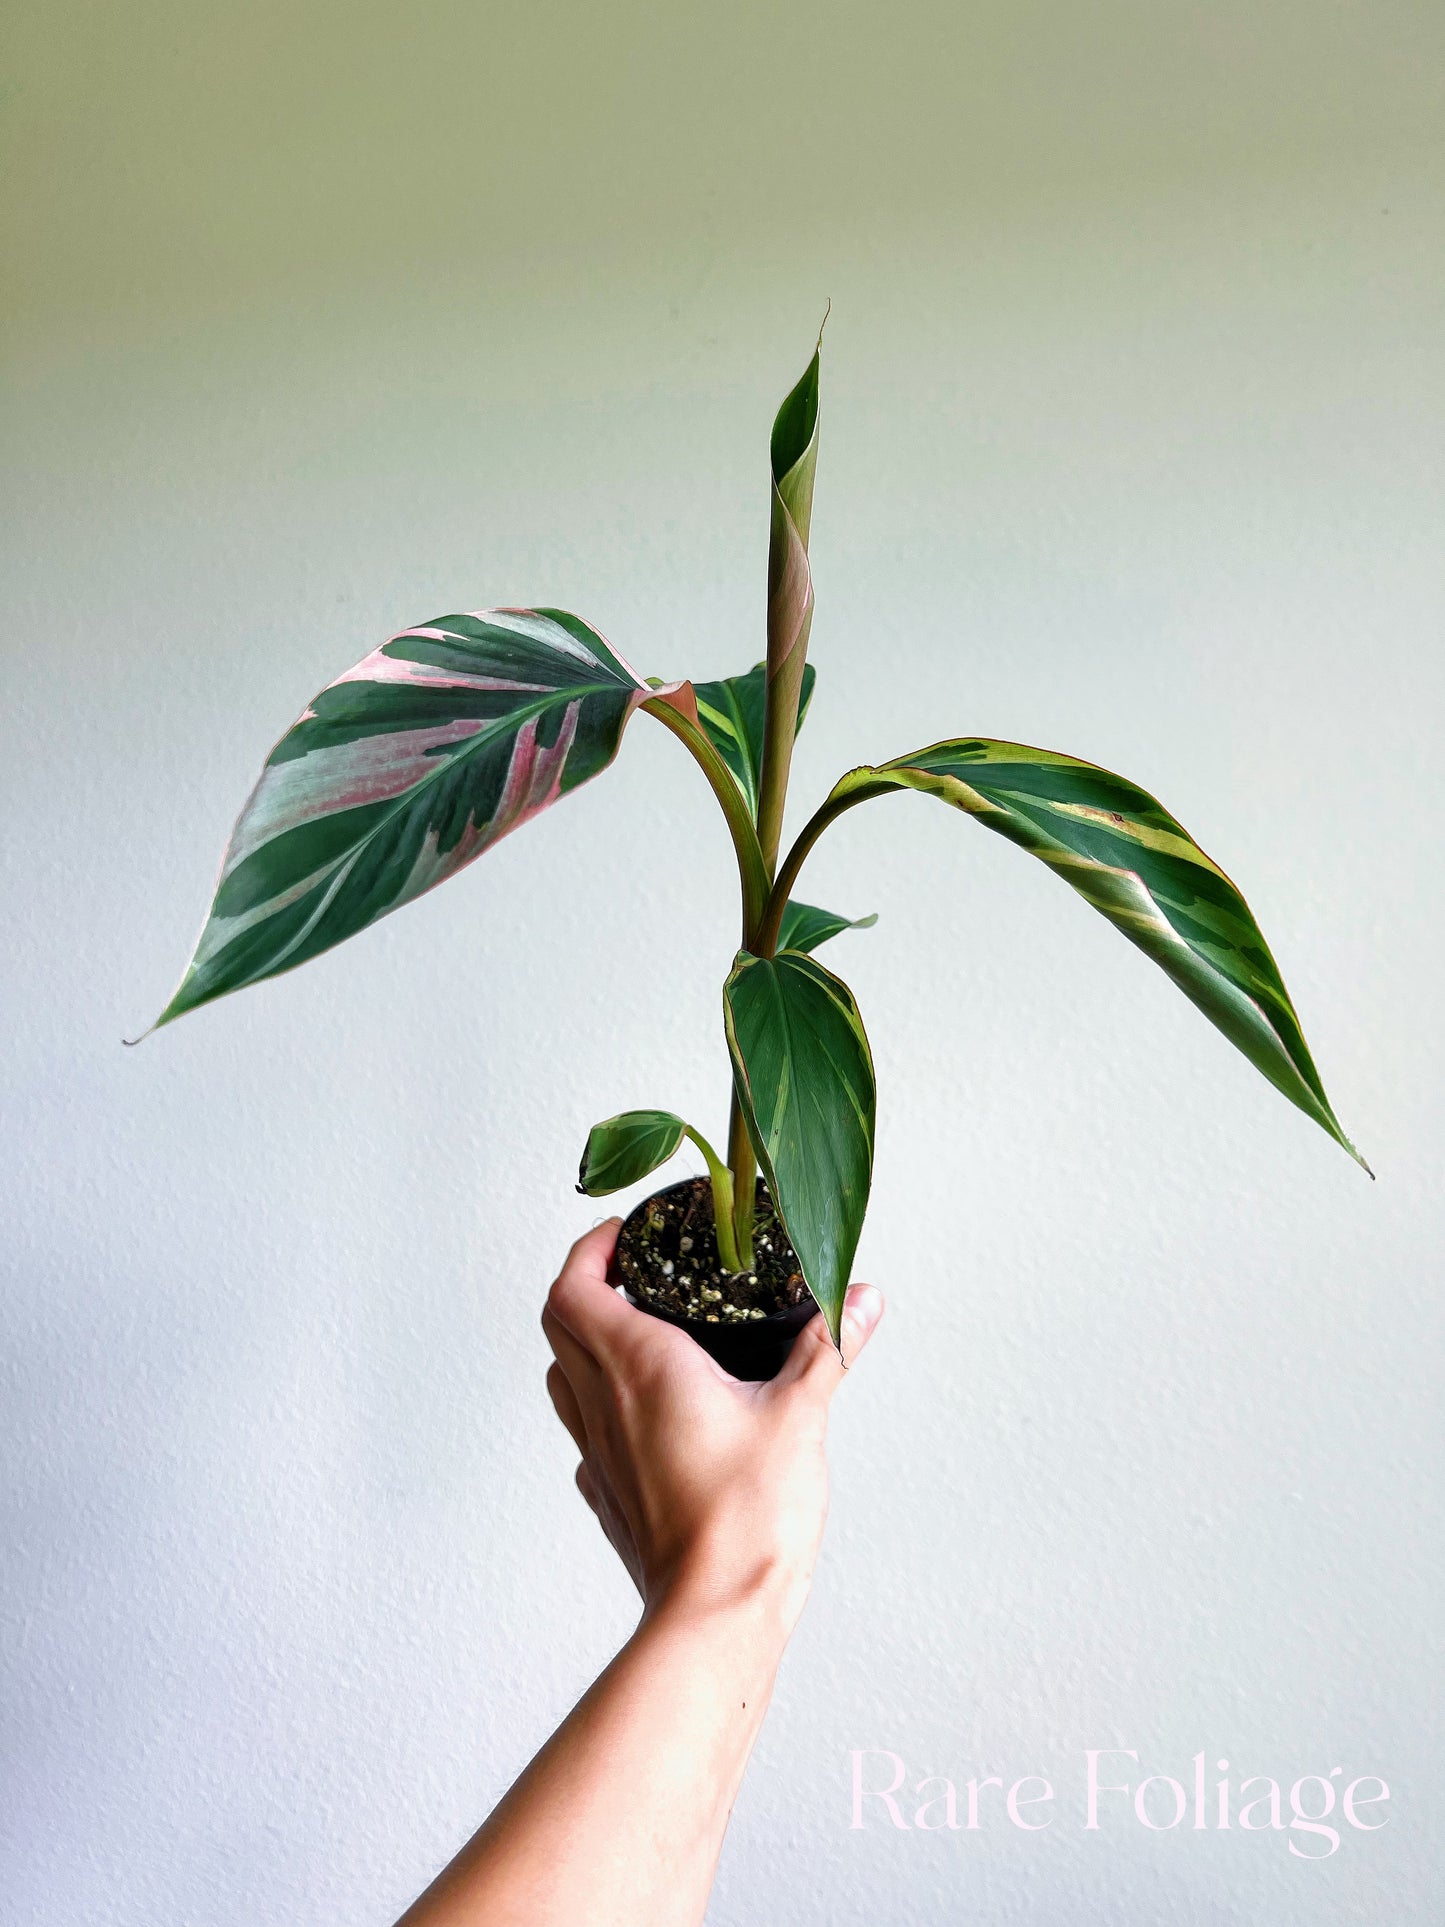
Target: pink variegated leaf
x,y
400,773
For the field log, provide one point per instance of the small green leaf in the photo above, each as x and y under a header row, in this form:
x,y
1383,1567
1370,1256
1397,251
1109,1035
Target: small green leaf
x,y
732,712
1138,866
804,927
625,1149
804,1078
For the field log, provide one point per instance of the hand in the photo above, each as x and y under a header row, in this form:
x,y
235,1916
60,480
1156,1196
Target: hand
x,y
713,1493
711,1489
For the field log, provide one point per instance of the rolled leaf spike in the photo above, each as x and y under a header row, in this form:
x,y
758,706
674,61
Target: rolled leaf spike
x,y
793,456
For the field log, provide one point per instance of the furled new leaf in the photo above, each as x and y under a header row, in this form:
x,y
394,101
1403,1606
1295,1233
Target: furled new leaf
x,y
625,1149
1126,855
793,457
804,927
804,1078
732,713
404,769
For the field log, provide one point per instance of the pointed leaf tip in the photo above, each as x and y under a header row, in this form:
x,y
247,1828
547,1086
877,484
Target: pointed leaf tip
x,y
795,425
804,926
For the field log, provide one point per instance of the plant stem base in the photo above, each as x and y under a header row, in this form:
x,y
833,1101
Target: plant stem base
x,y
668,1260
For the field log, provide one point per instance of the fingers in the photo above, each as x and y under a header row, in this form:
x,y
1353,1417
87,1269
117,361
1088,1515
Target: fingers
x,y
592,1252
581,1300
564,1401
578,1364
571,1317
614,1527
813,1364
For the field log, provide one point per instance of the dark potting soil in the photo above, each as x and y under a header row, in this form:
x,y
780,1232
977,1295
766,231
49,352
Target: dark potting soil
x,y
667,1257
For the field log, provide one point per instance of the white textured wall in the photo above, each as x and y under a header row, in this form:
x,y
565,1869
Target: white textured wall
x,y
1132,446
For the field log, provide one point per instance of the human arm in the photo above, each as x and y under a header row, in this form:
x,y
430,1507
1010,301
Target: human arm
x,y
713,1493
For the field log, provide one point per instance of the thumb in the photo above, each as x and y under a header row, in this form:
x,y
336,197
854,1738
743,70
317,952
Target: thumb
x,y
814,1360
862,1314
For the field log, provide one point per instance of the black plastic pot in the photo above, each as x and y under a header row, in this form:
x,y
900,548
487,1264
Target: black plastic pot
x,y
756,1350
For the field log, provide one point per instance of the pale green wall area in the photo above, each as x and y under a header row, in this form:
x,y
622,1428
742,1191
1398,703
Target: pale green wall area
x,y
321,321
167,157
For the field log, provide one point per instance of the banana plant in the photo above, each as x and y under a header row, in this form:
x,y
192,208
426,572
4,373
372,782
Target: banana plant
x,y
452,734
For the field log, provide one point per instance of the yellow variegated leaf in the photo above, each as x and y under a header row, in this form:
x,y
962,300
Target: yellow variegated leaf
x,y
1133,862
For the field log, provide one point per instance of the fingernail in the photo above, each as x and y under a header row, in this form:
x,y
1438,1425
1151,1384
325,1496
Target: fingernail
x,y
865,1308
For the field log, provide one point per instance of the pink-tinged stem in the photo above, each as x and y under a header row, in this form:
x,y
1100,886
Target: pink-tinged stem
x,y
752,873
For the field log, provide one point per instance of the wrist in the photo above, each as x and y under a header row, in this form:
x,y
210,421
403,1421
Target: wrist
x,y
759,1600
730,1649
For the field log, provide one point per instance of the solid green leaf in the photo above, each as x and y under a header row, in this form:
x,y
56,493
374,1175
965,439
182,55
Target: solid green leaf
x,y
732,712
804,927
804,1077
625,1149
401,772
1132,861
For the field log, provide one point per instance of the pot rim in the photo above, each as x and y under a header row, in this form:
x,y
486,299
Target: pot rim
x,y
792,1318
